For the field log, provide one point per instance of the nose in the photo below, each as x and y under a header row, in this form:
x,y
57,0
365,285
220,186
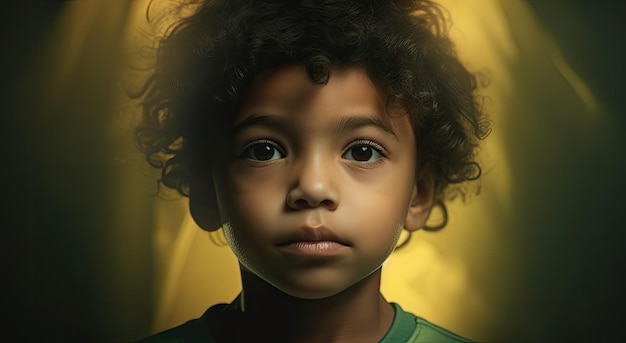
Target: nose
x,y
313,184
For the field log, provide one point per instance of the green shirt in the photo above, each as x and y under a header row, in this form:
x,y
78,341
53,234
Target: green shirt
x,y
405,328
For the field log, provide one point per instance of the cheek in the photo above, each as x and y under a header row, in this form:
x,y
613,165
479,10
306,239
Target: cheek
x,y
250,213
378,214
247,221
252,195
253,215
251,210
381,215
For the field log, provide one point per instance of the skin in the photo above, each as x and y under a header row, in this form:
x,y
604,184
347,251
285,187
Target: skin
x,y
321,183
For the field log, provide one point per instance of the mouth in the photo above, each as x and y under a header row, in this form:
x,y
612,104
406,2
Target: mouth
x,y
316,248
317,241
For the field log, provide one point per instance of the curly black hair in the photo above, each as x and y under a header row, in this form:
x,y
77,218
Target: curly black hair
x,y
207,60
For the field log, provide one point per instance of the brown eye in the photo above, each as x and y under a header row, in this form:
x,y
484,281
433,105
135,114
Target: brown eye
x,y
364,153
361,153
262,151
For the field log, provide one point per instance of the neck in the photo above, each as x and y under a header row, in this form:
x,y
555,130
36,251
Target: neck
x,y
357,314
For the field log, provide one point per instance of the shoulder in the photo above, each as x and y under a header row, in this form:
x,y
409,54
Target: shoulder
x,y
428,332
425,331
193,331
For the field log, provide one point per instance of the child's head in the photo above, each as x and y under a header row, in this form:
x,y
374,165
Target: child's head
x,y
339,121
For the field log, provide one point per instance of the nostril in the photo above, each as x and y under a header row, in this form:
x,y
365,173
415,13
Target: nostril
x,y
301,203
304,203
328,204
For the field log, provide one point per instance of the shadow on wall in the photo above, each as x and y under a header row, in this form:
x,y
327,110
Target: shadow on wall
x,y
570,139
63,177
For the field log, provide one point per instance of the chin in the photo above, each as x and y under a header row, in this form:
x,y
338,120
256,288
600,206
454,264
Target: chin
x,y
314,288
310,294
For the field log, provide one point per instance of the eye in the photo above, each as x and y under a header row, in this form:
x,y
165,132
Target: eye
x,y
364,152
262,151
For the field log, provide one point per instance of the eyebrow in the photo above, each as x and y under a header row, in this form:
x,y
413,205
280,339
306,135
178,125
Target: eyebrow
x,y
348,123
261,120
354,122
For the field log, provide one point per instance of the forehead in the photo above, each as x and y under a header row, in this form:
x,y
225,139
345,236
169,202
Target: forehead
x,y
288,89
289,86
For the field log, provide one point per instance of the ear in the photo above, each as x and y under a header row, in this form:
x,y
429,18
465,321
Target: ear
x,y
421,203
203,205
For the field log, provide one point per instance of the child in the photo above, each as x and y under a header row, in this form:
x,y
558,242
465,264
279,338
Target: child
x,y
312,133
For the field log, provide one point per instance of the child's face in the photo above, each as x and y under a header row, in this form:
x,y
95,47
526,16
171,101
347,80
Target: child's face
x,y
319,191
